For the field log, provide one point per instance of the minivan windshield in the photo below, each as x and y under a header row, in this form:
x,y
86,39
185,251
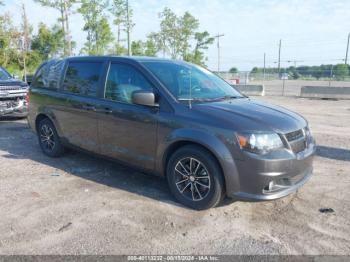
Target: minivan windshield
x,y
190,82
4,75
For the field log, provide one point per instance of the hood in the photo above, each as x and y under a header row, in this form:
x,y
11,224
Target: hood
x,y
253,115
12,83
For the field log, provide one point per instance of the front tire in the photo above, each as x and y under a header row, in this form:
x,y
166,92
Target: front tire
x,y
48,139
195,178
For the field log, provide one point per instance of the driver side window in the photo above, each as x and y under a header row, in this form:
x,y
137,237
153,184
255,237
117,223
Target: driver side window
x,y
122,81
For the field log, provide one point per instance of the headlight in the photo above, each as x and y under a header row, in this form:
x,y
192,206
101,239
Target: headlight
x,y
259,143
307,131
308,136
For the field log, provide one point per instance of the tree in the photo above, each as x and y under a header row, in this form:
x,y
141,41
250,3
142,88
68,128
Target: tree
x,y
255,70
150,47
122,19
233,70
9,39
159,40
15,45
203,40
177,34
169,33
188,24
129,25
104,36
65,8
48,43
316,72
117,50
140,48
292,71
341,71
137,48
25,40
99,34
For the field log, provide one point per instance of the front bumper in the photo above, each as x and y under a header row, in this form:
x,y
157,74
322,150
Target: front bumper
x,y
273,176
18,108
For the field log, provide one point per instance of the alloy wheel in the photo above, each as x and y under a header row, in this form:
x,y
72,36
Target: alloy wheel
x,y
47,137
192,179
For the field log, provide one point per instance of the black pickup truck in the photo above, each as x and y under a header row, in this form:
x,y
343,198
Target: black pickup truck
x,y
13,94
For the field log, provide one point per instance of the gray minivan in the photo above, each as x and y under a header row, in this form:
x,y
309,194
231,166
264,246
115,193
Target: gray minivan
x,y
173,119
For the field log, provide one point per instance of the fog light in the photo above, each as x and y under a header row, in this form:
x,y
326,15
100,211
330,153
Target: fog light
x,y
271,185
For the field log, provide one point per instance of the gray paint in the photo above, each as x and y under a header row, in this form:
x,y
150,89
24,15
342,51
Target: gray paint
x,y
142,136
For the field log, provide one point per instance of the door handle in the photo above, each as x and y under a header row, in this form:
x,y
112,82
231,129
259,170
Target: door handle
x,y
105,110
89,107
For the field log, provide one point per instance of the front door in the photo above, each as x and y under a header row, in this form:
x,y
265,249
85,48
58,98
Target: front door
x,y
127,131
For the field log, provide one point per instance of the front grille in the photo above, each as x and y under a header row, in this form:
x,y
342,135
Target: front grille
x,y
295,135
10,88
298,146
296,140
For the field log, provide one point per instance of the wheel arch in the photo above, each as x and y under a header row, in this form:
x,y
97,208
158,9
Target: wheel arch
x,y
181,143
208,142
38,119
42,115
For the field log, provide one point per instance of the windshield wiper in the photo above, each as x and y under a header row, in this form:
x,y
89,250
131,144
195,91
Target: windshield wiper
x,y
228,97
210,99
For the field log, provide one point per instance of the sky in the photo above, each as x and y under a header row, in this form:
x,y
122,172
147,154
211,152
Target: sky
x,y
313,32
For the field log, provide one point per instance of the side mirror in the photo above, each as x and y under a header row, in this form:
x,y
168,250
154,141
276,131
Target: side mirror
x,y
15,77
145,98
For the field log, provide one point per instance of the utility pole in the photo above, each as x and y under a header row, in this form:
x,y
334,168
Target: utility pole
x,y
279,58
347,50
264,66
128,27
218,37
331,76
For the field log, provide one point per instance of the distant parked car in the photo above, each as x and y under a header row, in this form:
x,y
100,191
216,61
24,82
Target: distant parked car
x,y
28,79
173,119
284,76
13,93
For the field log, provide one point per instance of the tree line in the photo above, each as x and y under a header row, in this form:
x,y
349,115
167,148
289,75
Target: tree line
x,y
108,24
338,71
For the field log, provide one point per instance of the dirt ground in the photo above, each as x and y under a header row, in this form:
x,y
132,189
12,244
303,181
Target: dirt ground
x,y
82,205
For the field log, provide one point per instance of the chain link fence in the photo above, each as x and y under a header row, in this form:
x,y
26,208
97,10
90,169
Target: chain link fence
x,y
283,84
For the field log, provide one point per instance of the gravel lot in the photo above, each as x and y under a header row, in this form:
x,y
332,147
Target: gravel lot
x,y
79,204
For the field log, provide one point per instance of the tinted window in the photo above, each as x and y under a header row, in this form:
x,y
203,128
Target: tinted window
x,y
82,78
48,76
122,81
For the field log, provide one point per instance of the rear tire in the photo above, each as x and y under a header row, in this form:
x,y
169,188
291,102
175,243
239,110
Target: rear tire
x,y
49,140
195,178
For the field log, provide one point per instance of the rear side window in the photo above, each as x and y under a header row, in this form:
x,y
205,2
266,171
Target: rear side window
x,y
49,75
83,78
